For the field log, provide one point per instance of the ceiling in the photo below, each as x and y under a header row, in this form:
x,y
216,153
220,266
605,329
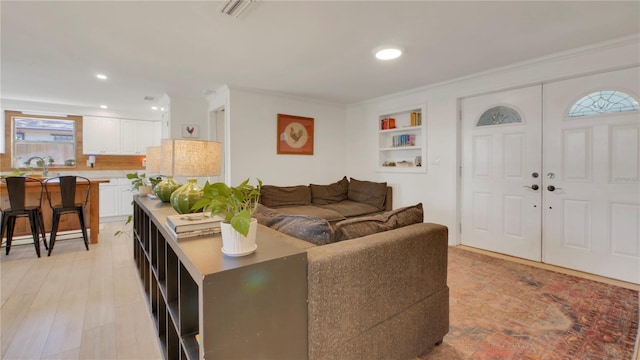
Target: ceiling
x,y
51,50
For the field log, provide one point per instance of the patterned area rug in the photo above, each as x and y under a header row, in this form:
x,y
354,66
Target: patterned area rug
x,y
504,310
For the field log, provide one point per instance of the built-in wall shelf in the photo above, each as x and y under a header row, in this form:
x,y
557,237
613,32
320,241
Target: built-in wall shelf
x,y
402,140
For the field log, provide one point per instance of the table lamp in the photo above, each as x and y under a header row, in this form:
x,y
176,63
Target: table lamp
x,y
190,158
166,187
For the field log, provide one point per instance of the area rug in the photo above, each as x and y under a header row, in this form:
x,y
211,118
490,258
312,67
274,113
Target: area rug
x,y
504,310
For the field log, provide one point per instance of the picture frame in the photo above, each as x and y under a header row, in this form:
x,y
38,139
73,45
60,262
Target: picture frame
x,y
190,131
294,135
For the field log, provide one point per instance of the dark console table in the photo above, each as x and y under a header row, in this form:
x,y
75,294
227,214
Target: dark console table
x,y
241,308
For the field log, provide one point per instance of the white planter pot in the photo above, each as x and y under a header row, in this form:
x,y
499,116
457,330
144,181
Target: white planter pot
x,y
234,243
144,190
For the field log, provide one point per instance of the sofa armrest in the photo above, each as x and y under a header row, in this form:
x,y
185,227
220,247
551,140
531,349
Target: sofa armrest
x,y
359,290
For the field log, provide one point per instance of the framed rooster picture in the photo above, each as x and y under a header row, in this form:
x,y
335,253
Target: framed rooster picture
x,y
295,135
190,131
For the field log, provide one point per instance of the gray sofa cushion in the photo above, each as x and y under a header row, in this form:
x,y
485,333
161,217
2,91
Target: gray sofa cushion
x,y
349,208
275,196
367,225
309,228
311,210
329,194
369,192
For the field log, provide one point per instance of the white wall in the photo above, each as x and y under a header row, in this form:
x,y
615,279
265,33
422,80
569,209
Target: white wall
x,y
438,188
188,111
252,136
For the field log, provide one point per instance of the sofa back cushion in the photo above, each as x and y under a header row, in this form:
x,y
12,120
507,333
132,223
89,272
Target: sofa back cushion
x,y
329,194
367,225
274,196
369,192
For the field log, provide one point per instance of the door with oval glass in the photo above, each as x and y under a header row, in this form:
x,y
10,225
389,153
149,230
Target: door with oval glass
x,y
591,217
582,195
501,164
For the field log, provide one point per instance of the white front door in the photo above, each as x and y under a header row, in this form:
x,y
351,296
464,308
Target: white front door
x,y
501,172
591,178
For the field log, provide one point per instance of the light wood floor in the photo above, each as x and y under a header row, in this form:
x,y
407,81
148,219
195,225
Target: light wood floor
x,y
80,304
76,304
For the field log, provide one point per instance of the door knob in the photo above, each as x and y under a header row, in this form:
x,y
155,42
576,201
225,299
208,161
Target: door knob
x,y
553,188
533,187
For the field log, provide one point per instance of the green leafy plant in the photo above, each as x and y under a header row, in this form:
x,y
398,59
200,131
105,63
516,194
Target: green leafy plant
x,y
120,232
138,180
235,203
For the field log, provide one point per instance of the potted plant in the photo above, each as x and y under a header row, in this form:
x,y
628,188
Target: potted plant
x,y
140,183
235,205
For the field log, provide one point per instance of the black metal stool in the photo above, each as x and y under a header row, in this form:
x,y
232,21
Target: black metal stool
x,y
20,206
67,204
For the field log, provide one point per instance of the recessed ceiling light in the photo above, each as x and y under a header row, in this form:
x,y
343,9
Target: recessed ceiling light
x,y
103,106
154,108
101,76
388,53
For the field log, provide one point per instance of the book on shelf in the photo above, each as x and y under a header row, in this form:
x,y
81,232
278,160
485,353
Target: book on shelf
x,y
193,233
416,118
193,222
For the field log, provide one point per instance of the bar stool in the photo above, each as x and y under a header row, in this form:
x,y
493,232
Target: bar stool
x,y
21,206
68,204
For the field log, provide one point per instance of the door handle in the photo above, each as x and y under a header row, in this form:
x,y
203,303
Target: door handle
x,y
533,187
553,188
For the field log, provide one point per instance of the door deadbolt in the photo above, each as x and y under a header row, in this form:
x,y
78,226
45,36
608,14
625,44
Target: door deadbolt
x,y
534,175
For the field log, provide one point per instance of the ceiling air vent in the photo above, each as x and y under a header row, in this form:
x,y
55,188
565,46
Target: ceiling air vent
x,y
235,7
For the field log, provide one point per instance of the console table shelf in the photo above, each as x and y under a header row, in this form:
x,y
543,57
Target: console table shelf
x,y
245,307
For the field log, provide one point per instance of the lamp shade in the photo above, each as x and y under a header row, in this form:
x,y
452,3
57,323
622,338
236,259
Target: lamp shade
x,y
153,160
190,158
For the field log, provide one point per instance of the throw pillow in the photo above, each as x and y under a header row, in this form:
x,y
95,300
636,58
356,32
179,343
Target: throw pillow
x,y
367,225
373,193
309,228
274,196
329,194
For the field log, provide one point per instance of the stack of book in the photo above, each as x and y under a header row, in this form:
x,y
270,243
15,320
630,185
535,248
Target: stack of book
x,y
192,225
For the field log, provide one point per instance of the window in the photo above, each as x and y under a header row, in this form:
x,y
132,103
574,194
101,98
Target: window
x,y
601,102
499,115
36,140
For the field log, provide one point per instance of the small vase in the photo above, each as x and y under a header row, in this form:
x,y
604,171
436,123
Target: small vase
x,y
184,197
234,243
165,188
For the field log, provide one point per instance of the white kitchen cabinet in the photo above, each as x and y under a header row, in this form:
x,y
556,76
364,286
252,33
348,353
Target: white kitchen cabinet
x,y
116,198
108,200
136,136
100,136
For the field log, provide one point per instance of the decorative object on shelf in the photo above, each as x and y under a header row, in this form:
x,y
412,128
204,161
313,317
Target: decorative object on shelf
x,y
418,161
295,135
190,131
164,188
190,158
387,123
235,205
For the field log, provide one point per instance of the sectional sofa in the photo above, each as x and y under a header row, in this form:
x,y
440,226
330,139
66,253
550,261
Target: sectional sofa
x,y
377,282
